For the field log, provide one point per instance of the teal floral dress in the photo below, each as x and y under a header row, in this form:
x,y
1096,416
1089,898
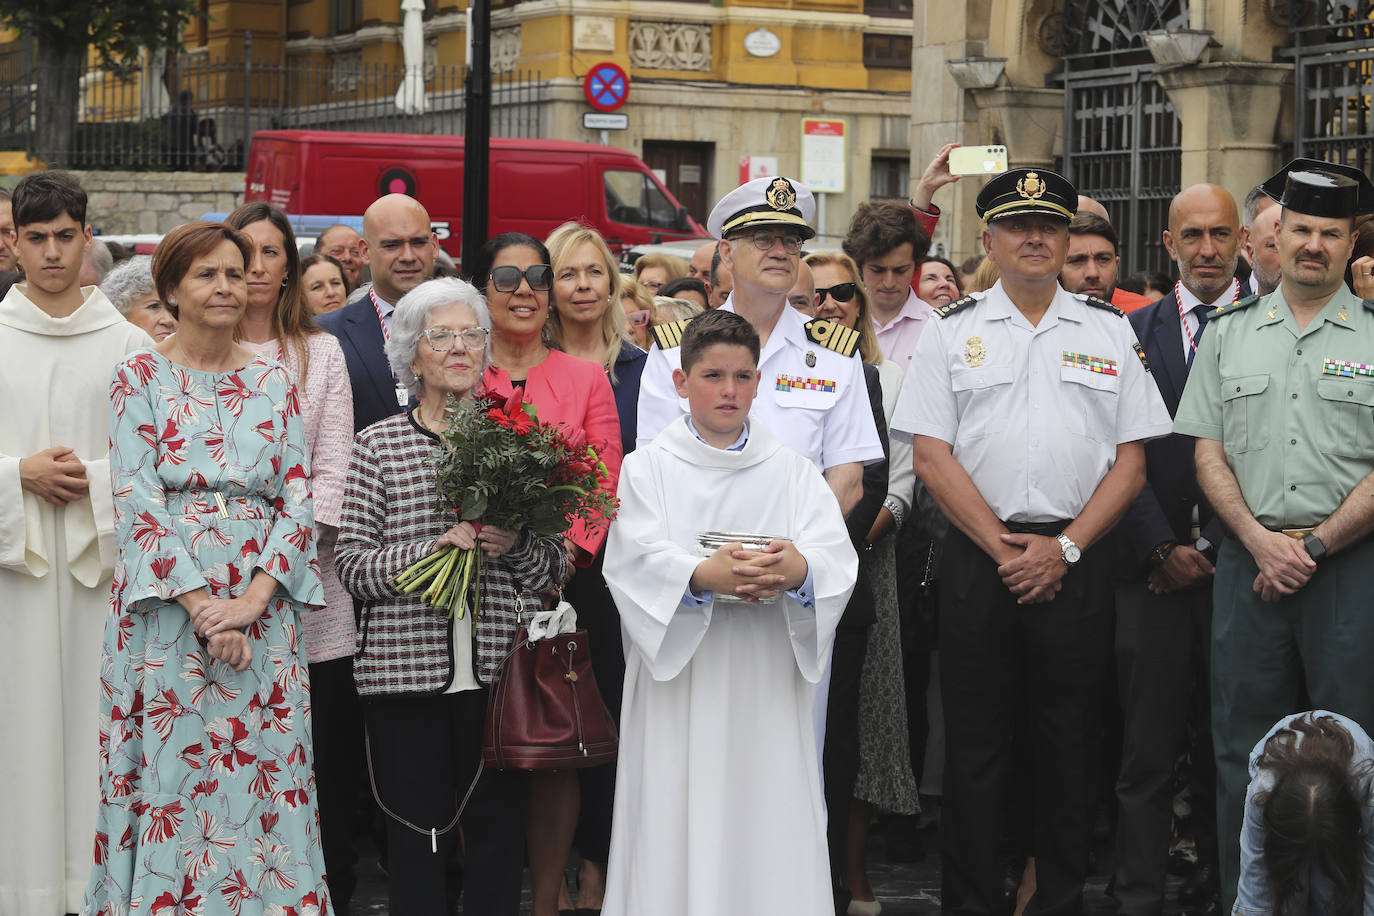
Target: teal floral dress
x,y
207,790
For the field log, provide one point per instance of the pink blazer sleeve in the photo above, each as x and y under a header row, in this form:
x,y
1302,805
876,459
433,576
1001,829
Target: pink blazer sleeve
x,y
575,393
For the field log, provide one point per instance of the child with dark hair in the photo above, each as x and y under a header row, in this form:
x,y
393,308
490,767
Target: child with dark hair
x,y
1307,848
718,805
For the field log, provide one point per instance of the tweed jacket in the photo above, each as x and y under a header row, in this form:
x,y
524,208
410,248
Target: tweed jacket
x,y
391,517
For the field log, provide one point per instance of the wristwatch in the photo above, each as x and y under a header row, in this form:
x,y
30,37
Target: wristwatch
x,y
1070,552
1315,548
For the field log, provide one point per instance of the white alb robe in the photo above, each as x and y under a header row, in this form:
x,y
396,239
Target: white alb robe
x,y
55,566
718,805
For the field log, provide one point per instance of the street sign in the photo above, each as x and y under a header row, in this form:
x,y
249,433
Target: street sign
x,y
823,155
606,86
593,120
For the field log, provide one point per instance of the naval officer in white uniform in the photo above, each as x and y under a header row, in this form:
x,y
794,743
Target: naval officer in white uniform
x,y
1029,406
811,385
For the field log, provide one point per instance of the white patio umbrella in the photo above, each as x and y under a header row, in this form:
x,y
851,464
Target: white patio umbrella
x,y
410,98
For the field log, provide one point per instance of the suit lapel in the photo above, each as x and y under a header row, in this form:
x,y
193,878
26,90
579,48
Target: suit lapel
x,y
1167,351
365,333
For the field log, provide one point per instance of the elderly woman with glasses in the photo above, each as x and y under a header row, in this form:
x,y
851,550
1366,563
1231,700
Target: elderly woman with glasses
x,y
517,274
423,677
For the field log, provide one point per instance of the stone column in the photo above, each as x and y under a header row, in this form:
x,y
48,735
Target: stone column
x,y
1229,112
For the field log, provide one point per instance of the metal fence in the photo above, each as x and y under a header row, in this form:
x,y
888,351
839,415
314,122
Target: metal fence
x,y
132,121
1333,81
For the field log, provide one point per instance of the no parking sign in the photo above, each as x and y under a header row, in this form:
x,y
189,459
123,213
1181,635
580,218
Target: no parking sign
x,y
606,86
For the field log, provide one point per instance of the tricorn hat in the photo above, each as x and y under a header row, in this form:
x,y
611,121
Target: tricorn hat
x,y
1325,189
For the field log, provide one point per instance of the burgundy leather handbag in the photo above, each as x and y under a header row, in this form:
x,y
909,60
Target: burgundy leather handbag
x,y
546,712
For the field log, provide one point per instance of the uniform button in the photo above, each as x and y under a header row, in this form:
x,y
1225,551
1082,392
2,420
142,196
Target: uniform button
x,y
1237,389
1295,395
1292,486
1292,441
1350,394
1300,352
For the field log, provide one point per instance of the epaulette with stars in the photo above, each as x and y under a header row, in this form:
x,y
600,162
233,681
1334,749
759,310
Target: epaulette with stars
x,y
833,336
1104,305
958,305
1222,310
669,335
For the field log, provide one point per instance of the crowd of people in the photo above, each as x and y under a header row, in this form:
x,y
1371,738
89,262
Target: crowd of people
x,y
996,545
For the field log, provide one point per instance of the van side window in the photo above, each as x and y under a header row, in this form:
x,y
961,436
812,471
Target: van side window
x,y
633,197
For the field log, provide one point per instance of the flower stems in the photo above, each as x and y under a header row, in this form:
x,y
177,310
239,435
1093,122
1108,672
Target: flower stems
x,y
447,576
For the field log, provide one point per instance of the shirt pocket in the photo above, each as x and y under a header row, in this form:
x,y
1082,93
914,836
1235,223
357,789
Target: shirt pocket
x,y
1089,403
1349,410
1244,427
983,394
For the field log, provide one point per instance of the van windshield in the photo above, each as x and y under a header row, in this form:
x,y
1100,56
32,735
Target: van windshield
x,y
632,197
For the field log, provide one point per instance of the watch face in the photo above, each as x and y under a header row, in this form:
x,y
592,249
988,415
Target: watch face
x,y
1072,554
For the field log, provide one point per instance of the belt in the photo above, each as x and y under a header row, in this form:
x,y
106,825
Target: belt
x,y
1047,528
191,503
1297,534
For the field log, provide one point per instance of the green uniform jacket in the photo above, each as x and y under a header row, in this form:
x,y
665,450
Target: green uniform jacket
x,y
1293,410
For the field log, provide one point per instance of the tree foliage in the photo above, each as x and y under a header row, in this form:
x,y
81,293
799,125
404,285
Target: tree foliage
x,y
116,29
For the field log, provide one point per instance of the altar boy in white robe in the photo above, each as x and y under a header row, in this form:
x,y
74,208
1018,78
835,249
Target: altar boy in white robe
x,y
59,343
718,805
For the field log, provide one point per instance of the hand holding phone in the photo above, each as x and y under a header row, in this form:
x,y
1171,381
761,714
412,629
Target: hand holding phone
x,y
978,160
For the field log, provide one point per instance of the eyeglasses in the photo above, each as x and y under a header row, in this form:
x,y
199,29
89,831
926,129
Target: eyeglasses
x,y
441,339
840,292
506,279
765,239
638,318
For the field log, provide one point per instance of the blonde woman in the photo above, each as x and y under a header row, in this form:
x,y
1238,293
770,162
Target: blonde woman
x,y
881,776
654,270
586,320
638,305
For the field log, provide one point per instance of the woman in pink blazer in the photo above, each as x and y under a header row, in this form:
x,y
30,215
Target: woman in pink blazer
x,y
516,274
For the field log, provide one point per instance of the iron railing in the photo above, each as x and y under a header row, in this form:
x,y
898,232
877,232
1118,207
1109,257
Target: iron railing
x,y
1333,80
129,121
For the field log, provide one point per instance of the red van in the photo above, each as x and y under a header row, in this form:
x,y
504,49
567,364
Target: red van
x,y
535,185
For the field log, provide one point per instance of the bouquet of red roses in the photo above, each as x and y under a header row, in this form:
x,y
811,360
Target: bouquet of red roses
x,y
501,465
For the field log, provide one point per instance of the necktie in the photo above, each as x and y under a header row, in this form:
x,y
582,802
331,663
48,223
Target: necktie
x,y
1200,313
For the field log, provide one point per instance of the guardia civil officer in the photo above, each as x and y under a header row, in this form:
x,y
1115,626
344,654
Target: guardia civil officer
x,y
811,390
1029,406
1281,401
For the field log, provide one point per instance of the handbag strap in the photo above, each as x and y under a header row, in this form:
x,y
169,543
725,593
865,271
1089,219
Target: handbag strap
x,y
434,832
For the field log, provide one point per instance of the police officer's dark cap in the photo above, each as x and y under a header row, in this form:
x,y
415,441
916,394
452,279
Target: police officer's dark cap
x,y
1326,189
1019,192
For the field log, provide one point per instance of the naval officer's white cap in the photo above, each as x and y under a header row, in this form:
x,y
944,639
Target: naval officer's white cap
x,y
771,201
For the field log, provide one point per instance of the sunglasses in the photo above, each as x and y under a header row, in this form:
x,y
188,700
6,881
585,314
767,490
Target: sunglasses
x,y
840,292
638,318
506,279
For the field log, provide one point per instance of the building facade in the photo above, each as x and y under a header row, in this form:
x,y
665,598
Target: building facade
x,y
1136,99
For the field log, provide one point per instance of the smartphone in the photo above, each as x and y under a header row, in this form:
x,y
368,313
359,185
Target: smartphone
x,y
977,160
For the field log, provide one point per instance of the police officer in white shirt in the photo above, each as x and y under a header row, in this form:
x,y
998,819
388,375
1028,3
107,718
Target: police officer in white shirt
x,y
1029,406
812,394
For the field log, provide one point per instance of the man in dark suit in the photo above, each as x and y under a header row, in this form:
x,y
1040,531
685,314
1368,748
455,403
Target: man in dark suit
x,y
399,247
1168,543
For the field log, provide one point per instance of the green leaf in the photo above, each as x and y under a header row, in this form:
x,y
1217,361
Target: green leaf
x,y
474,504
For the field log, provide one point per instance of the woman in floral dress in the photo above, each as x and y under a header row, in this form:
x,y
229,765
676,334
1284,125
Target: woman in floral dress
x,y
207,792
